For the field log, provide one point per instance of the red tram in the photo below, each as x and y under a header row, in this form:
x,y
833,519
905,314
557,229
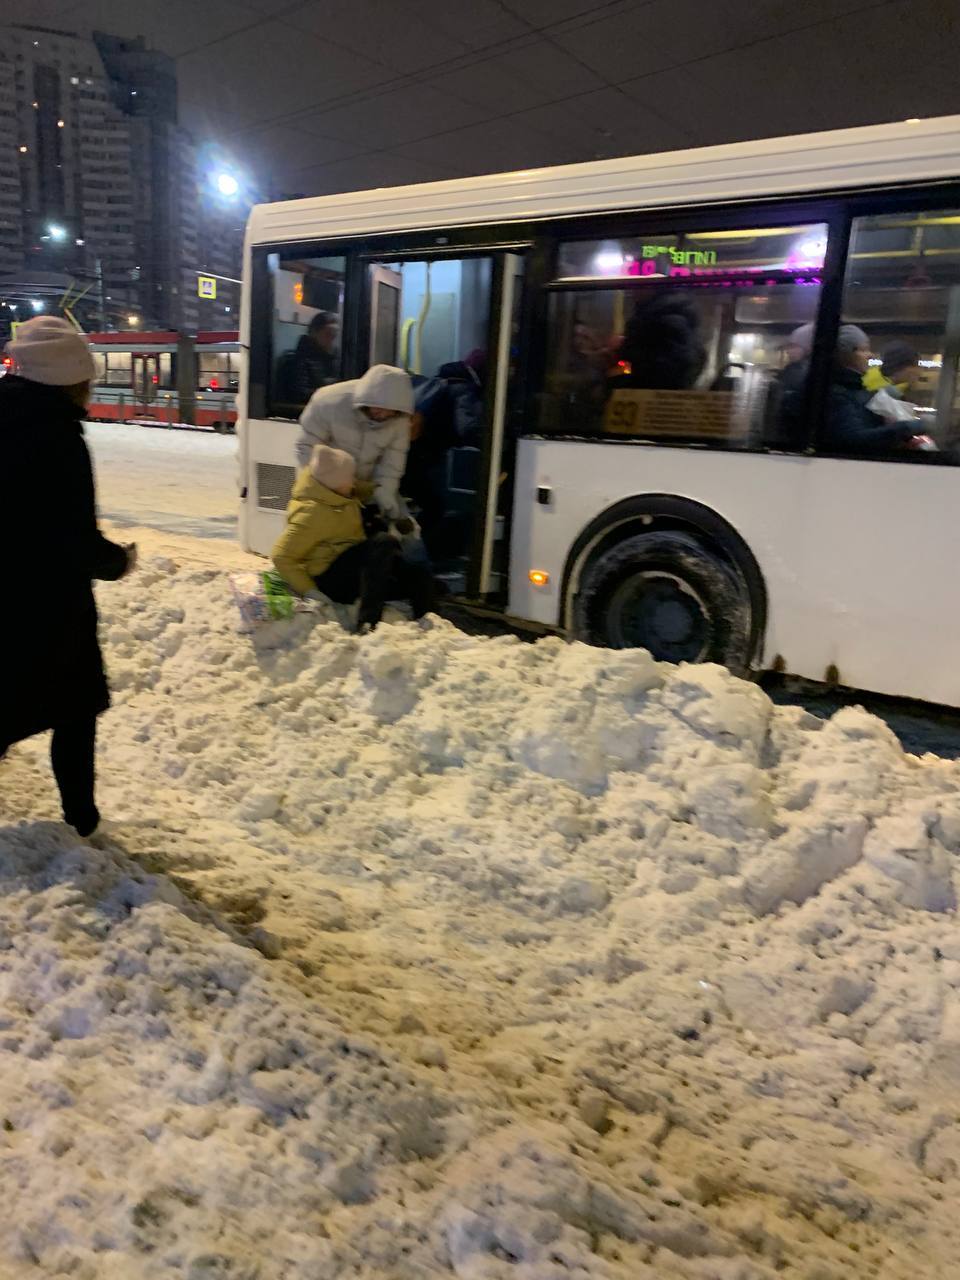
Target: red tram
x,y
166,378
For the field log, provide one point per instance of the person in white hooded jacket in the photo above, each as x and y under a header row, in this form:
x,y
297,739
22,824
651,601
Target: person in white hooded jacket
x,y
368,418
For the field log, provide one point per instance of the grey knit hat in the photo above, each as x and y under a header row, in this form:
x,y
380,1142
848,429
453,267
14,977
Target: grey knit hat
x,y
850,337
802,337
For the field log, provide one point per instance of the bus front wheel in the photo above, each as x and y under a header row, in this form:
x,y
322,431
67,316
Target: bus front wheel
x,y
668,592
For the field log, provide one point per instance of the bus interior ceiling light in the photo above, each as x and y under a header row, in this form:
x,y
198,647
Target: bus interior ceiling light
x,y
809,252
36,304
609,262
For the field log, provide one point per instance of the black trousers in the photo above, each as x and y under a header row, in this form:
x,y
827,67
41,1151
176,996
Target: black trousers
x,y
375,572
73,755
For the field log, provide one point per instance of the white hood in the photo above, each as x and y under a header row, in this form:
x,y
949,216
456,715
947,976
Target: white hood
x,y
384,387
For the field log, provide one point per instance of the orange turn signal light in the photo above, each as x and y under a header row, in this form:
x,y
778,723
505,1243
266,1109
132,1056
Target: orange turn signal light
x,y
539,577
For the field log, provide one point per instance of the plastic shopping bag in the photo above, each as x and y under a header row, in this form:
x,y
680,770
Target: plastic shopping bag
x,y
264,597
891,409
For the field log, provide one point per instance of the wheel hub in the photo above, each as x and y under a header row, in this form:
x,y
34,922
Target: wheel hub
x,y
662,613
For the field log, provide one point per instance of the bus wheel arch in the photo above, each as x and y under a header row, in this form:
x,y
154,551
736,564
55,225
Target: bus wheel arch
x,y
674,565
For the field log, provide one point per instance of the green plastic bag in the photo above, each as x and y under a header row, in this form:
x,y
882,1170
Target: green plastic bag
x,y
264,597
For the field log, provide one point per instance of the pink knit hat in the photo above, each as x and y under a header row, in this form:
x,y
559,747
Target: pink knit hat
x,y
50,350
333,468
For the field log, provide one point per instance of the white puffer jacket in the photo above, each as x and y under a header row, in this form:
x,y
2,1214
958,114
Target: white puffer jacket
x,y
333,417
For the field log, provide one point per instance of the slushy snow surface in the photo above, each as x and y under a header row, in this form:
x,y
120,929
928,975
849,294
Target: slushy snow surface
x,y
430,955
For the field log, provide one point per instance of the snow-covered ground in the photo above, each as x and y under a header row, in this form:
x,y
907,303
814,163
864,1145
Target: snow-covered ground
x,y
177,484
432,955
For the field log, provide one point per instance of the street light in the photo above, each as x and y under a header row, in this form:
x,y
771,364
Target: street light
x,y
56,232
227,185
133,321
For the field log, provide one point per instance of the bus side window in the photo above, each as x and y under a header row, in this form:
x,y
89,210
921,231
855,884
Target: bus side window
x,y
307,321
892,389
683,337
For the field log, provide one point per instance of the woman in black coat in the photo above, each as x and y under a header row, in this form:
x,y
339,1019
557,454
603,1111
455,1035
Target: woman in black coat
x,y
51,669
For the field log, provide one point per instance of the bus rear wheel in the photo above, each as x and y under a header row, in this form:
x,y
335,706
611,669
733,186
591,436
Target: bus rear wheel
x,y
670,593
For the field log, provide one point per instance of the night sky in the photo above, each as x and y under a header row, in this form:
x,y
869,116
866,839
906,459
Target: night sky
x,y
338,94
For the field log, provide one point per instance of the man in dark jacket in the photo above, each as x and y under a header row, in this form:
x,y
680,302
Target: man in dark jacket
x,y
316,363
51,669
851,426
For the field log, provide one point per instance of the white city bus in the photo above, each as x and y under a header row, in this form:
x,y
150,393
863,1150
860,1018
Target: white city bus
x,y
669,454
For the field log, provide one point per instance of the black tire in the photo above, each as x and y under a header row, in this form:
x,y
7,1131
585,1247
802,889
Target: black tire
x,y
670,593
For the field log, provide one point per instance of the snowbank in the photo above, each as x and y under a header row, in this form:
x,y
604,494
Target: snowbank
x,y
435,955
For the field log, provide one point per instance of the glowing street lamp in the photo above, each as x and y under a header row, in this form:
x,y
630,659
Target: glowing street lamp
x,y
227,185
56,232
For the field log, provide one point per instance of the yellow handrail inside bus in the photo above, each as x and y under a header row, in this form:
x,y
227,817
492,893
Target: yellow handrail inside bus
x,y
421,321
404,353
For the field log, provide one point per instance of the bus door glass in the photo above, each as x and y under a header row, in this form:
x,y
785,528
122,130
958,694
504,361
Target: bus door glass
x,y
490,577
386,290
442,319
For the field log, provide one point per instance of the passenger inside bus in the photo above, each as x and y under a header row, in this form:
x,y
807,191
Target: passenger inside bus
x,y
662,347
448,416
306,323
589,358
316,362
851,425
787,390
898,372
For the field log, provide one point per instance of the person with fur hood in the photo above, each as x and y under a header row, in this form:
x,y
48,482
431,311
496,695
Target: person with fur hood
x,y
323,553
368,418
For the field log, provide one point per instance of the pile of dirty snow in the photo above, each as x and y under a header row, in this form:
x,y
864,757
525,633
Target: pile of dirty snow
x,y
434,955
